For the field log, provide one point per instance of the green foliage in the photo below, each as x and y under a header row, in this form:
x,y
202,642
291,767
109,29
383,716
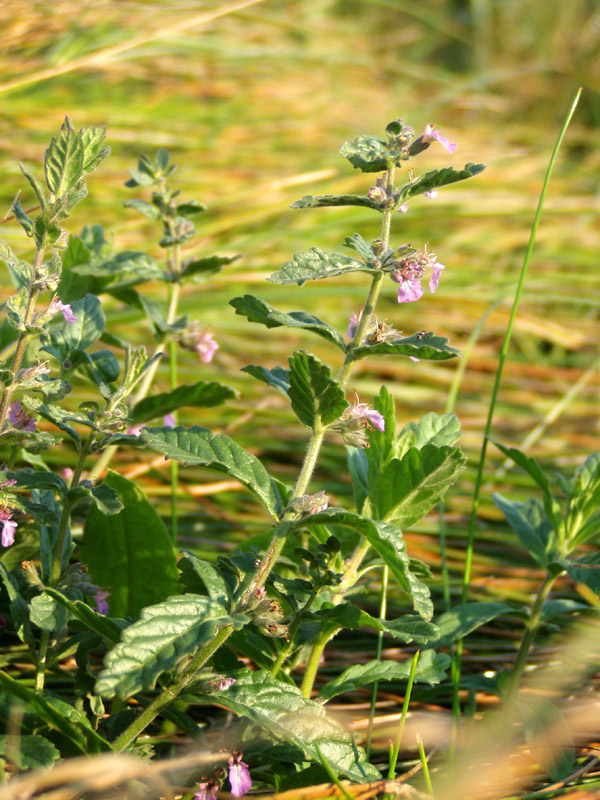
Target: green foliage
x,y
315,397
280,709
257,310
461,620
436,179
315,264
32,751
203,394
328,200
130,551
426,347
157,642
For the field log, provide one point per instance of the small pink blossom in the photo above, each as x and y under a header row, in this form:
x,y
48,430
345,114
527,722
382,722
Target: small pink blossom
x,y
57,305
207,790
225,683
100,601
239,775
352,325
67,474
431,195
169,421
372,417
206,347
410,291
9,527
18,417
410,271
134,430
431,135
403,208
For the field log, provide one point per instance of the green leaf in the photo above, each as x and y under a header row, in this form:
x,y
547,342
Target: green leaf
x,y
278,377
367,153
37,187
32,751
257,310
23,218
531,466
87,328
200,269
198,446
190,209
94,152
388,541
430,669
315,264
106,627
315,397
165,633
20,270
463,619
280,708
129,267
31,479
408,488
426,347
381,443
132,551
204,394
584,499
105,498
529,521
432,428
585,570
19,611
436,178
198,575
358,466
356,242
63,162
327,200
147,209
47,614
16,308
58,715
407,628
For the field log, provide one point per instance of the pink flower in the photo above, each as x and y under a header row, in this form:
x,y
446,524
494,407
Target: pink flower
x,y
431,195
169,421
239,775
225,683
100,601
403,208
57,305
410,271
372,417
67,474
431,135
8,527
134,430
206,791
352,325
206,346
18,417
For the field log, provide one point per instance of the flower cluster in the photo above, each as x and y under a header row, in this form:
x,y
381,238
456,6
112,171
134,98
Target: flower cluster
x,y
239,777
376,331
200,341
355,421
19,418
411,270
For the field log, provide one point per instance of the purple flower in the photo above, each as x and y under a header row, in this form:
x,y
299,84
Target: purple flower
x,y
206,791
410,271
8,527
352,325
134,430
224,684
169,421
239,775
100,601
431,135
206,346
372,417
57,305
18,417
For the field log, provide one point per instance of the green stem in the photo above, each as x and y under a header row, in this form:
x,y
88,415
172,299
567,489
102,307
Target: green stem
x,y
492,406
425,765
289,647
378,651
171,693
174,463
405,705
40,672
532,627
312,668
21,342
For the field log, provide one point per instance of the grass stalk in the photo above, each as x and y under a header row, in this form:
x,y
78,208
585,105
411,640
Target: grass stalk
x,y
382,614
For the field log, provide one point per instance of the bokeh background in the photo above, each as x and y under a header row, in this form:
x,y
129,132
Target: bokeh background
x,y
253,100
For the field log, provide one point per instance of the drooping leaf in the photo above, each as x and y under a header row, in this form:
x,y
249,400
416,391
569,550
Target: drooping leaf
x,y
105,626
314,395
367,153
431,669
531,466
461,620
315,264
20,270
164,634
201,269
257,310
198,446
426,347
130,551
409,487
36,185
30,751
328,200
58,714
63,161
389,543
281,709
198,575
204,394
278,377
529,521
436,178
